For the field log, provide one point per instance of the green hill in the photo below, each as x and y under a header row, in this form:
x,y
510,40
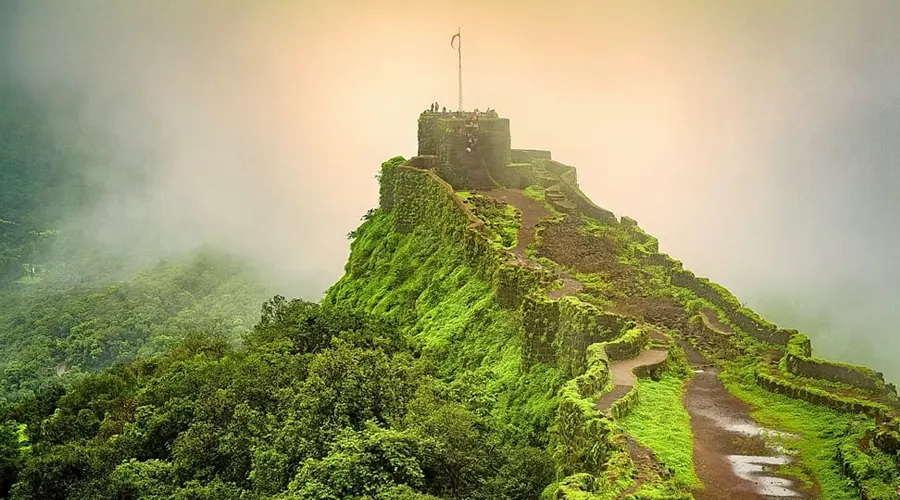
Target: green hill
x,y
496,335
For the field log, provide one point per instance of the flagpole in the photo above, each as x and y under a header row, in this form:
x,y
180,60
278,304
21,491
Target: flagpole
x,y
459,53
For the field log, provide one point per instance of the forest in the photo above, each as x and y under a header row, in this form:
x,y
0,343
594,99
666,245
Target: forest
x,y
184,381
473,349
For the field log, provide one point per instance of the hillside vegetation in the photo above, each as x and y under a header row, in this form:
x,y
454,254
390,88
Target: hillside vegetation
x,y
480,345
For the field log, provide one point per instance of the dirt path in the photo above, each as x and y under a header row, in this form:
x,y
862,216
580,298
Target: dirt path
x,y
731,455
623,377
532,213
713,319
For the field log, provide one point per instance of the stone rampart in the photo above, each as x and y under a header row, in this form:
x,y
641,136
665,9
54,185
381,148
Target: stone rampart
x,y
569,187
799,362
420,198
528,155
662,260
518,175
628,345
857,376
540,321
821,397
515,282
743,318
596,377
425,162
472,153
719,340
560,332
624,405
887,437
580,325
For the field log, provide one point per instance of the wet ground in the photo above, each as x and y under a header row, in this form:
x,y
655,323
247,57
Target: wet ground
x,y
732,456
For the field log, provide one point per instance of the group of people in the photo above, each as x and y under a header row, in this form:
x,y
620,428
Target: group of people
x,y
437,108
471,121
434,108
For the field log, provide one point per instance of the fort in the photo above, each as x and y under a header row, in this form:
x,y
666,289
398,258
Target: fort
x,y
597,301
472,150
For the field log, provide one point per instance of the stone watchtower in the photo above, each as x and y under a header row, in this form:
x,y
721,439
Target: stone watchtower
x,y
468,150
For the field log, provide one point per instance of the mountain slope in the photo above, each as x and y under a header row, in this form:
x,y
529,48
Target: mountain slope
x,y
511,343
593,289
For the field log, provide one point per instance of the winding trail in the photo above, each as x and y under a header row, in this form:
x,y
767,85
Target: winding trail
x,y
623,376
533,212
713,319
731,455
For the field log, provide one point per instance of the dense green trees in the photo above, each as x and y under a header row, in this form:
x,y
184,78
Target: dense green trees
x,y
320,403
61,335
42,179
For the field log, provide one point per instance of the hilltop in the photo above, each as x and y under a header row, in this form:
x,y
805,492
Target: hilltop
x,y
496,335
572,293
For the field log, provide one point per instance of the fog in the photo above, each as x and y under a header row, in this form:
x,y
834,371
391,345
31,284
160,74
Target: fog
x,y
759,141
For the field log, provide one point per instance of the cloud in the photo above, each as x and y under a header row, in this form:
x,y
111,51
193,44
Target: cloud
x,y
758,141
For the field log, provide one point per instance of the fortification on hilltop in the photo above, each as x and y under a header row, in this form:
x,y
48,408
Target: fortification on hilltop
x,y
473,151
501,247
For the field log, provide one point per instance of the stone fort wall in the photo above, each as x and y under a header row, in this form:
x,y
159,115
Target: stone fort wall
x,y
447,137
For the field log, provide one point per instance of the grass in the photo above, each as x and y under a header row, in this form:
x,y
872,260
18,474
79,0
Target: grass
x,y
819,431
450,312
535,192
29,280
660,422
503,222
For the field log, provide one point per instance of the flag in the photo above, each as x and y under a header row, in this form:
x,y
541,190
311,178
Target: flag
x,y
454,39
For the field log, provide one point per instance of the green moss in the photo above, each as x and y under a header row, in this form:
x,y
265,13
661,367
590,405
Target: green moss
x,y
502,220
450,313
819,431
394,162
536,192
660,422
874,472
431,280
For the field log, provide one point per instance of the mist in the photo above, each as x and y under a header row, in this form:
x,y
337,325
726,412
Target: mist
x,y
759,141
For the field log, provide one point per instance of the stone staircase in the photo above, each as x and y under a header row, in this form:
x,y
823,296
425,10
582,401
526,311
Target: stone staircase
x,y
551,186
558,200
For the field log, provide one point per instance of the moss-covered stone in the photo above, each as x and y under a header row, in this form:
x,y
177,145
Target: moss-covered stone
x,y
821,397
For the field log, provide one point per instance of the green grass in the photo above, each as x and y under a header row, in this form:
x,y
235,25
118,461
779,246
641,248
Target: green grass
x,y
819,431
449,312
29,280
660,422
535,192
502,222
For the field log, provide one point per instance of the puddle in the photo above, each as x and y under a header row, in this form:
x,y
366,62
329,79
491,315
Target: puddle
x,y
753,469
735,453
741,426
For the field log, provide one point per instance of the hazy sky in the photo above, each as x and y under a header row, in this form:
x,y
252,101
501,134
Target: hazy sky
x,y
759,141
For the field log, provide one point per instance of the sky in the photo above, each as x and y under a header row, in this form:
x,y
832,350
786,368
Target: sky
x,y
759,141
